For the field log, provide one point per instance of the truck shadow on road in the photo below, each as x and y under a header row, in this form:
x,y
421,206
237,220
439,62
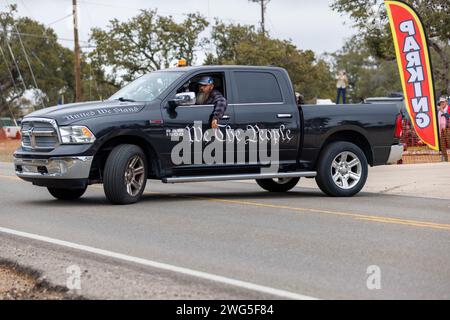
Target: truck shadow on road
x,y
159,198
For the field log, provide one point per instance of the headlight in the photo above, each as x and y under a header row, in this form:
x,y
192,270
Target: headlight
x,y
76,135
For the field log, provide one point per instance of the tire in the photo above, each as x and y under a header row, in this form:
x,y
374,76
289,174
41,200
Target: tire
x,y
277,185
339,177
125,174
66,194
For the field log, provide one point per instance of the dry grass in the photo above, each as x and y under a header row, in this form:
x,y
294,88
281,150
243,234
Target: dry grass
x,y
7,148
423,158
421,155
16,284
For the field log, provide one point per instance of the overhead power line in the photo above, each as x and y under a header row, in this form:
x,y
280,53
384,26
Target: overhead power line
x,y
60,19
29,64
34,35
16,65
169,13
26,58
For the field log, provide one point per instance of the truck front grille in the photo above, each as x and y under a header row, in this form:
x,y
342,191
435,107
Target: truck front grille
x,y
40,134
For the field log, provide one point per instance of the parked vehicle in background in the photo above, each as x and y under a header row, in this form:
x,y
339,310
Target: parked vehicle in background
x,y
324,102
10,128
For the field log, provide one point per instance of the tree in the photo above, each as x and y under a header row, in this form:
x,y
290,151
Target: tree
x,y
371,19
51,63
145,43
45,55
242,45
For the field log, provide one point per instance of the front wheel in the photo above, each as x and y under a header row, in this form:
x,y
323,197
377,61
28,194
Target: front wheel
x,y
278,185
66,194
342,169
125,174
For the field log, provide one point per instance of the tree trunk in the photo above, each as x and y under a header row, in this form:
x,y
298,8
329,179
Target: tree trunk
x,y
5,86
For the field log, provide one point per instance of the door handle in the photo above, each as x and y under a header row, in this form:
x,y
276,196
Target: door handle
x,y
226,117
284,115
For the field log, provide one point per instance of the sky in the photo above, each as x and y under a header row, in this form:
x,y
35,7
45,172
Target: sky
x,y
309,24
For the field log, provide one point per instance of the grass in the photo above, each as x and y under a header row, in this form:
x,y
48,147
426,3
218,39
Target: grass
x,y
21,283
7,148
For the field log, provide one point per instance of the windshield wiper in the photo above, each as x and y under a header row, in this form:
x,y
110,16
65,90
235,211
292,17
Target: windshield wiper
x,y
122,99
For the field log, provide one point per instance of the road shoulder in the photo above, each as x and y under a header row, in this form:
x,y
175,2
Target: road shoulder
x,y
105,278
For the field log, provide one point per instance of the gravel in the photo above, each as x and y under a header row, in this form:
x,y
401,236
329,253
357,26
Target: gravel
x,y
17,283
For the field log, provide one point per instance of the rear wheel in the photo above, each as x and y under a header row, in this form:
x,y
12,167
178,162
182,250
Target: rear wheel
x,y
278,184
342,169
66,194
125,174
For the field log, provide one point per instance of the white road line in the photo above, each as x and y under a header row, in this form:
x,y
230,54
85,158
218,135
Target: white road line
x,y
162,266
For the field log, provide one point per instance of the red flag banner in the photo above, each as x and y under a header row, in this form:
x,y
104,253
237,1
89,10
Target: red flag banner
x,y
414,65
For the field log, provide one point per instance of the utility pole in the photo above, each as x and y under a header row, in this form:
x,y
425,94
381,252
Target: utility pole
x,y
77,66
263,4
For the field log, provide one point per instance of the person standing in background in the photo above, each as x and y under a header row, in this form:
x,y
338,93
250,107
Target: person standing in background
x,y
341,84
443,117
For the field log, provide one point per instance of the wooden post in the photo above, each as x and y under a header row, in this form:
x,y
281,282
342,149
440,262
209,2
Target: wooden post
x,y
77,66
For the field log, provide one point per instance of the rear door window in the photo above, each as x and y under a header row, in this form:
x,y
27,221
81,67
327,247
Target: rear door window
x,y
257,87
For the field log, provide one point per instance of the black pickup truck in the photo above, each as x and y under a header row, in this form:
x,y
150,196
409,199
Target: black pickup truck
x,y
131,137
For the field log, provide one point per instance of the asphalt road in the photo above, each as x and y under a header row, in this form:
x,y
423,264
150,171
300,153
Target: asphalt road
x,y
302,241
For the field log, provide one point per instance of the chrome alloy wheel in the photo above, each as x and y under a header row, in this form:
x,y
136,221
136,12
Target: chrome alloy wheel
x,y
346,170
134,175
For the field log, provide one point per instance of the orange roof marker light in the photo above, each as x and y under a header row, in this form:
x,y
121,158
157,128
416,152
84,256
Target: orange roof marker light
x,y
182,63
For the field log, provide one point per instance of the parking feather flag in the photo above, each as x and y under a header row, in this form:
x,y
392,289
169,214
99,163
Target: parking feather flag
x,y
414,65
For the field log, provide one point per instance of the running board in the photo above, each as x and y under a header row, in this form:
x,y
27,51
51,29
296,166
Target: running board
x,y
294,174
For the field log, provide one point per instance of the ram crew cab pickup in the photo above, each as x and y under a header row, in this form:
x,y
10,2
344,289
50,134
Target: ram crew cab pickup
x,y
131,137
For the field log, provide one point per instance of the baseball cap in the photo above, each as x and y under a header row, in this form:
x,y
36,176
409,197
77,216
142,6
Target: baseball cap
x,y
442,99
206,80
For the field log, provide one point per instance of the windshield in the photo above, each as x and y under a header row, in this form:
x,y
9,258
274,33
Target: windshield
x,y
147,87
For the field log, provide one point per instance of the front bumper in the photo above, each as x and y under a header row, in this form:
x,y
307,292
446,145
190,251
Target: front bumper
x,y
396,154
57,168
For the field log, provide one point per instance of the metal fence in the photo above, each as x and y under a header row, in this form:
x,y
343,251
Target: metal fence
x,y
418,152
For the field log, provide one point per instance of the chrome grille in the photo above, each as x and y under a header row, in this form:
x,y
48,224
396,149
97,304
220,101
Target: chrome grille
x,y
39,134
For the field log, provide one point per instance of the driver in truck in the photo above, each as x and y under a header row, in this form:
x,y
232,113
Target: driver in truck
x,y
208,95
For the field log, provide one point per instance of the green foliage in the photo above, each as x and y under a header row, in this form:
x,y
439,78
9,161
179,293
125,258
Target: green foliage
x,y
52,65
145,43
46,56
371,20
441,69
148,42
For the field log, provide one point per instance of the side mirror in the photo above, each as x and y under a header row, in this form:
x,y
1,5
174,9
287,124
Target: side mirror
x,y
183,99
